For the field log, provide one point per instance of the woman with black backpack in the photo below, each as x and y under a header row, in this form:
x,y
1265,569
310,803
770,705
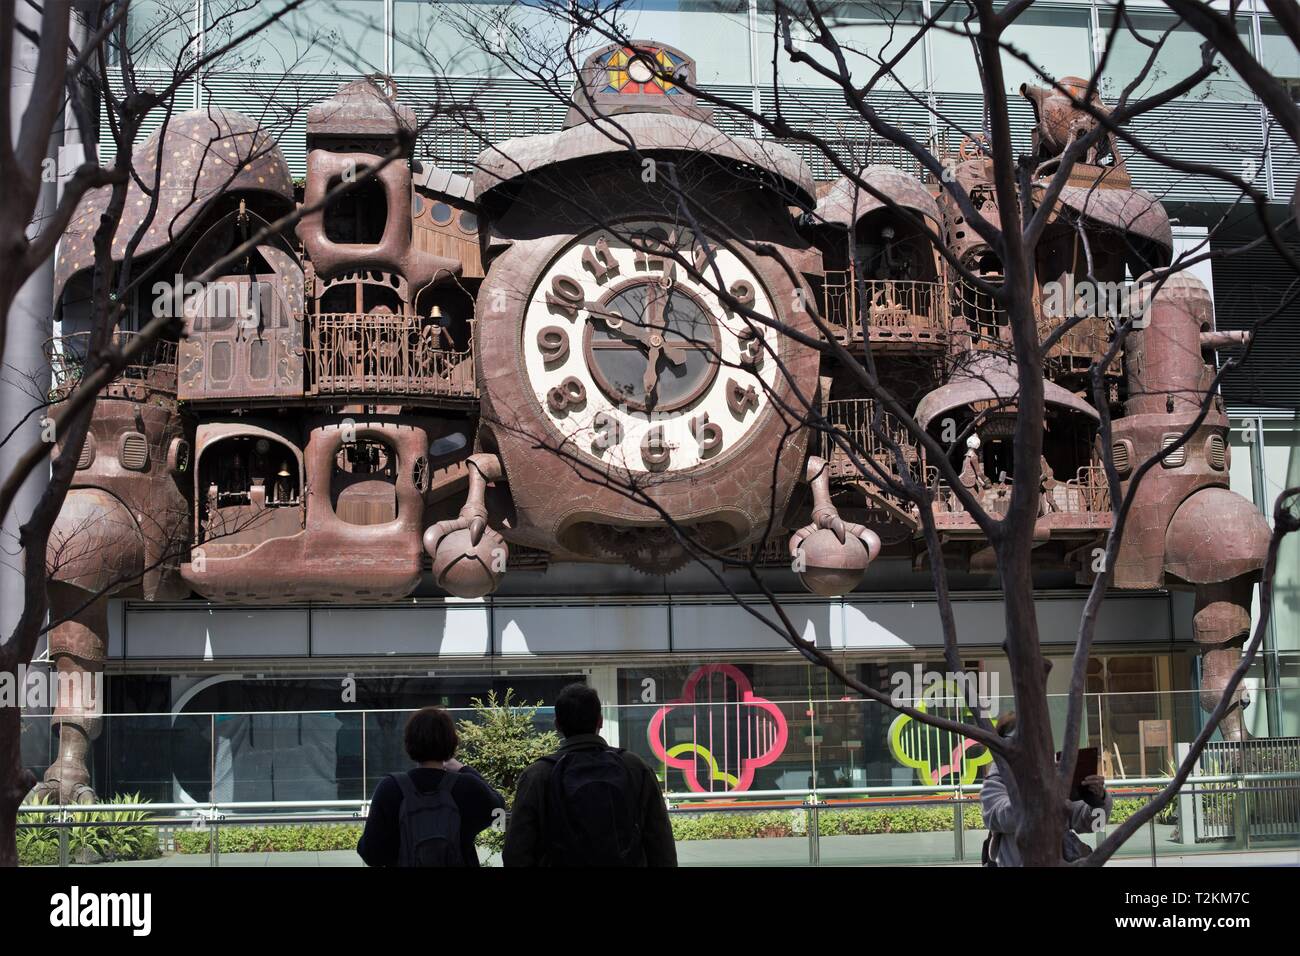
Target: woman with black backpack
x,y
429,815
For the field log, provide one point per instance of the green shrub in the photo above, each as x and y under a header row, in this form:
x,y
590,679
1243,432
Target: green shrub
x,y
289,838
500,741
853,821
39,846
731,826
1125,807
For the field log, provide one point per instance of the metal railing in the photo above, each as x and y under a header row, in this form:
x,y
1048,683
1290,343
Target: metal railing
x,y
1269,813
154,371
854,421
979,322
357,354
1087,493
906,311
810,805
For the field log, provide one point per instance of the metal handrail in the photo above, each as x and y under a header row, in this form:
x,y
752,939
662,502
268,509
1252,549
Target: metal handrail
x,y
802,794
813,802
356,353
66,354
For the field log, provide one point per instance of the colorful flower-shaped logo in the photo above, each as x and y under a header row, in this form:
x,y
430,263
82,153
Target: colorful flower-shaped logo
x,y
938,756
719,730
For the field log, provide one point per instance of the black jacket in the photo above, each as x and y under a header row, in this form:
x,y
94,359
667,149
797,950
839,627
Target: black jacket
x,y
526,831
474,797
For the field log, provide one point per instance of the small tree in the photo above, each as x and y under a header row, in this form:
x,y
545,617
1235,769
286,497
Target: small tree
x,y
500,742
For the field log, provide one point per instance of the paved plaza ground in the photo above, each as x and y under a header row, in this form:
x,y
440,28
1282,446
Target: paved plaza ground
x,y
916,849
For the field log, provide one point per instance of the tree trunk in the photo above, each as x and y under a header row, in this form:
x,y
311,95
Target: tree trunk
x,y
15,781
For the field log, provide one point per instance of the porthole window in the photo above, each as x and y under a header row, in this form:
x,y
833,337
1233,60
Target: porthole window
x,y
468,222
178,456
417,205
441,213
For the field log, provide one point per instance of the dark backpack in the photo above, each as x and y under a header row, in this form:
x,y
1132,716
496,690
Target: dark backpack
x,y
989,851
1072,848
428,824
595,810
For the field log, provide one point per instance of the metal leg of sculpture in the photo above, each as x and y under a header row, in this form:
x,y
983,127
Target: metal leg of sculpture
x,y
1220,626
77,651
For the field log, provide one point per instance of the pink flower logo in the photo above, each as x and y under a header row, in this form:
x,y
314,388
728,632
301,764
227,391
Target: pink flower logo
x,y
719,727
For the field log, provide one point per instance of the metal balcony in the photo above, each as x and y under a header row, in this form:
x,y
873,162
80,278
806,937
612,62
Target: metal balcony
x,y
907,313
351,354
154,372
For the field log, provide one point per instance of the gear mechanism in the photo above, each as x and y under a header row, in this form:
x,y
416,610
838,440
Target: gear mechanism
x,y
655,551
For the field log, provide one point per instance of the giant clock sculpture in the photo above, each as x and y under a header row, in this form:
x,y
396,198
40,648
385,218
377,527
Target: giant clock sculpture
x,y
637,362
630,384
640,387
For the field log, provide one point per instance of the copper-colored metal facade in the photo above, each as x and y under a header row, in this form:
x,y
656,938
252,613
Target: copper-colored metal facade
x,y
364,422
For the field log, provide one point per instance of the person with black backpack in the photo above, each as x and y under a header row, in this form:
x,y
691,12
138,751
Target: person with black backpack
x,y
429,815
588,804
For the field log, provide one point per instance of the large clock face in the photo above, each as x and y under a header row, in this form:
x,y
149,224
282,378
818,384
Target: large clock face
x,y
633,357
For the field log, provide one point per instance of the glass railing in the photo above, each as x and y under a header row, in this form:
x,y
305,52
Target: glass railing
x,y
849,827
722,738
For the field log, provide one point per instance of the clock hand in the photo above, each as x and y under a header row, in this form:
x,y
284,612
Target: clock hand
x,y
651,377
653,320
674,353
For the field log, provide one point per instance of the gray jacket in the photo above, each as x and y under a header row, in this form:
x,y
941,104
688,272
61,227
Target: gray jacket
x,y
1001,810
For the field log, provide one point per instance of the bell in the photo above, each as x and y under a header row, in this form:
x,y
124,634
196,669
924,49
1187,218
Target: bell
x,y
284,470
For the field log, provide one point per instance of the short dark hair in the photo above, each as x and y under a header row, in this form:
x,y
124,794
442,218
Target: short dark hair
x,y
430,735
577,710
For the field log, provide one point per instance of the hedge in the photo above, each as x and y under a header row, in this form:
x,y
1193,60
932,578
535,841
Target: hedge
x,y
856,821
303,837
850,821
39,845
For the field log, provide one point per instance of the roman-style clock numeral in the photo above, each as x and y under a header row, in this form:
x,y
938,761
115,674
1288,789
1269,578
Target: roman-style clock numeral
x,y
654,449
565,296
609,432
708,434
568,394
599,261
553,343
741,398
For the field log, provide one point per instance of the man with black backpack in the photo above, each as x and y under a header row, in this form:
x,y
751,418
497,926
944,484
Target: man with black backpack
x,y
588,804
429,815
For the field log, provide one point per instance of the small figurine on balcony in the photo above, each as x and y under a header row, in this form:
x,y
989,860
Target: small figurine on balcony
x,y
889,263
973,477
1048,485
